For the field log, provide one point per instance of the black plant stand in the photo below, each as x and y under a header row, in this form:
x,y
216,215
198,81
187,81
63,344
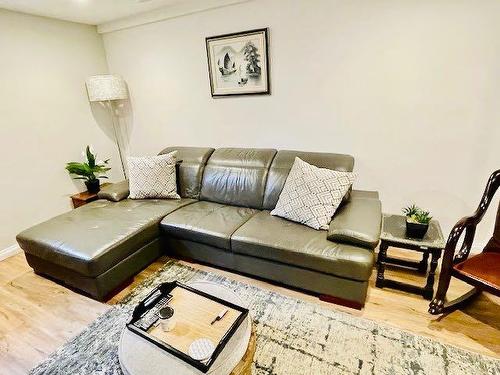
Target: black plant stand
x,y
394,234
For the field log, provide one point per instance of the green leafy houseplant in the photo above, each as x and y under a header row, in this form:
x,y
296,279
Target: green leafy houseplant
x,y
422,217
90,171
410,210
417,221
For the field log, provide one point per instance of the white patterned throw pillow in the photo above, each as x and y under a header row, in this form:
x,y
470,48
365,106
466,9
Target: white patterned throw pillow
x,y
153,176
311,195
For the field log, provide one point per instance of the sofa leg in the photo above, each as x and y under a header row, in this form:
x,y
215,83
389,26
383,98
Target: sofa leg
x,y
341,301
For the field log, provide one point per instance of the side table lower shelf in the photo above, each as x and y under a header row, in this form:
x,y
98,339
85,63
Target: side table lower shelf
x,y
428,290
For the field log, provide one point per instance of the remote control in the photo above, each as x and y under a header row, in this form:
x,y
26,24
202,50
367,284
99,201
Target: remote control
x,y
151,317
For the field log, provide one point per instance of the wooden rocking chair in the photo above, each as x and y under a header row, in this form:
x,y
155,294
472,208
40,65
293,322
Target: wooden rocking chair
x,y
481,271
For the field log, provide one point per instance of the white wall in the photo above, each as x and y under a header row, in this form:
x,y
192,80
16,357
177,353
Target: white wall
x,y
45,117
410,88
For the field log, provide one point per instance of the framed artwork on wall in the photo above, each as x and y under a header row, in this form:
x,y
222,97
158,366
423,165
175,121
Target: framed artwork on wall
x,y
238,63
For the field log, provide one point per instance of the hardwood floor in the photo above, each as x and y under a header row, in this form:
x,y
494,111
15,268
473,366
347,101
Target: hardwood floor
x,y
38,315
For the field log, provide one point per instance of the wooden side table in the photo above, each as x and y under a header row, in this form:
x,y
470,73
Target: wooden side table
x,y
85,197
394,234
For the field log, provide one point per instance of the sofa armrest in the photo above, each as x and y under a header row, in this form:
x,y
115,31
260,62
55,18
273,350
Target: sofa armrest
x,y
358,222
114,192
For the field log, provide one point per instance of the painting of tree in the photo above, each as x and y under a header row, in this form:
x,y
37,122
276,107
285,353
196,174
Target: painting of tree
x,y
252,58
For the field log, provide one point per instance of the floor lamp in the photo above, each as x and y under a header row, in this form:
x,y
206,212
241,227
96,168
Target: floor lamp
x,y
106,89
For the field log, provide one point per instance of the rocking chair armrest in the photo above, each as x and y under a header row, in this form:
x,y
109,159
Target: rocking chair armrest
x,y
463,253
468,224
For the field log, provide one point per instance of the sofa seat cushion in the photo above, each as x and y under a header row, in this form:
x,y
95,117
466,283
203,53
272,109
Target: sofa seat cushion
x,y
93,238
207,222
274,238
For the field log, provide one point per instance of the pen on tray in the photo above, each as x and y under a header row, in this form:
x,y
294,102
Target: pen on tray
x,y
219,317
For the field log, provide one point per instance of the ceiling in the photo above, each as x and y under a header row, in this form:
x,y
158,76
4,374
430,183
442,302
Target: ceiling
x,y
92,12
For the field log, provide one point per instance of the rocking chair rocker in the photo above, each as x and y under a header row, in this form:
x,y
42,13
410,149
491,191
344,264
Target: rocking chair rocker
x,y
482,270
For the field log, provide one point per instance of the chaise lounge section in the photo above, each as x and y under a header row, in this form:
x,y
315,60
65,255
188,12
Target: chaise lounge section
x,y
96,247
222,219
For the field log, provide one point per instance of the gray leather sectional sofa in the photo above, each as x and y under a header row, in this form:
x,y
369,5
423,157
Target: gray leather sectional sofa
x,y
222,219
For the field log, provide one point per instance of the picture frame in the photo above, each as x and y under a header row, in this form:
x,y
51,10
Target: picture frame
x,y
238,63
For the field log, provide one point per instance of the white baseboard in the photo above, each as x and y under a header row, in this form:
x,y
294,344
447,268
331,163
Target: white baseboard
x,y
9,251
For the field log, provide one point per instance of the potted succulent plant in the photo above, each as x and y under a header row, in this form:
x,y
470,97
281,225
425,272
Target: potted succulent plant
x,y
90,171
417,221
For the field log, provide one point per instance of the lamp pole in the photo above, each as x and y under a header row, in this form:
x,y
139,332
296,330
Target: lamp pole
x,y
113,120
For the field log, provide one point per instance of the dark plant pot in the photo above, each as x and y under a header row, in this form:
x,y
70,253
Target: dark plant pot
x,y
416,230
92,186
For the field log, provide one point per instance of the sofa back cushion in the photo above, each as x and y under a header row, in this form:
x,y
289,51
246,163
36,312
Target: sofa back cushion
x,y
190,169
237,176
282,163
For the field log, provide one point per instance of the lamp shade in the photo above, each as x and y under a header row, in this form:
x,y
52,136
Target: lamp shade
x,y
106,87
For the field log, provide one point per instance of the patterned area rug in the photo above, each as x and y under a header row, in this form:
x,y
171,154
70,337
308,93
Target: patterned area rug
x,y
293,337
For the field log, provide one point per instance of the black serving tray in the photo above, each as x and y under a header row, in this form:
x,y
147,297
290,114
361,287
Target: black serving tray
x,y
163,291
